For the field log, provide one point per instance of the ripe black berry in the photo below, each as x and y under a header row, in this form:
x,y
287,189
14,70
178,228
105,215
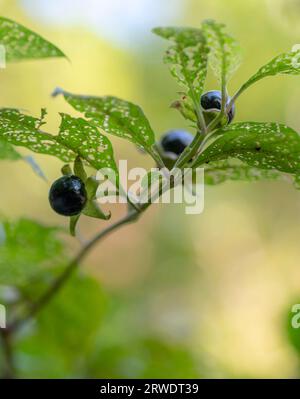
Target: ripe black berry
x,y
67,196
172,144
176,141
211,102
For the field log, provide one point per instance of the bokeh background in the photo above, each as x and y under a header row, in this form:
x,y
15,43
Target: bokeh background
x,y
179,296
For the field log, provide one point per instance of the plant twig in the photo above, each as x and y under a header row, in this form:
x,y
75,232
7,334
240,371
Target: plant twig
x,y
58,283
235,97
190,151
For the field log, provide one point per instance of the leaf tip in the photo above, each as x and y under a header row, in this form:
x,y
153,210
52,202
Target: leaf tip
x,y
73,224
57,91
158,30
155,30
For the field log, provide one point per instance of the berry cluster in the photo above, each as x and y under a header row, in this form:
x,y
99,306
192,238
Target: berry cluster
x,y
173,143
68,195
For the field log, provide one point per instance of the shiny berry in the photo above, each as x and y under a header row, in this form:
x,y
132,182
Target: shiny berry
x,y
211,103
176,141
67,196
172,144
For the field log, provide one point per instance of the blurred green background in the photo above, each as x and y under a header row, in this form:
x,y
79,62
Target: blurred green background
x,y
178,296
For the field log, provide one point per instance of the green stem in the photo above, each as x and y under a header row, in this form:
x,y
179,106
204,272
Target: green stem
x,y
224,109
235,97
156,157
199,113
201,148
190,151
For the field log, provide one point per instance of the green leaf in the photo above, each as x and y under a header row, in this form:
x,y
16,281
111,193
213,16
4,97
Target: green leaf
x,y
41,249
76,137
92,209
79,169
185,106
21,43
187,57
284,64
231,169
7,151
73,224
42,117
114,116
22,130
66,170
85,140
262,145
225,52
91,187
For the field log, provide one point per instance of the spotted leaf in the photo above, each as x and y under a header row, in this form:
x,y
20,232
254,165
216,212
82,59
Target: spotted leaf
x,y
284,64
187,57
114,116
231,169
21,43
76,138
262,145
86,141
225,53
23,130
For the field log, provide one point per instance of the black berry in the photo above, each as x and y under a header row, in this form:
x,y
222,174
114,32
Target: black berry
x,y
211,102
67,196
176,141
172,144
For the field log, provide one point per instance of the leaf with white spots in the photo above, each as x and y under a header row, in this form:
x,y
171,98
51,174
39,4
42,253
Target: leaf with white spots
x,y
114,116
262,145
187,56
225,53
86,141
22,130
284,64
231,169
76,138
21,43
